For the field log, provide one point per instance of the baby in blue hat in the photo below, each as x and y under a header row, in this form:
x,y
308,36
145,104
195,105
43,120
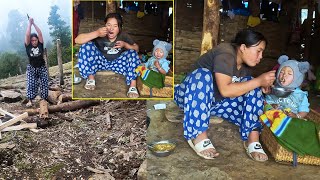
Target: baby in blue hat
x,y
290,76
158,61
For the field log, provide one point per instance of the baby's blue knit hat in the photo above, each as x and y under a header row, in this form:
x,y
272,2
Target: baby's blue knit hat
x,y
299,69
166,47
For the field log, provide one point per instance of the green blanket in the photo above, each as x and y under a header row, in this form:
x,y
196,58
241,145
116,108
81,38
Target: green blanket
x,y
294,134
151,78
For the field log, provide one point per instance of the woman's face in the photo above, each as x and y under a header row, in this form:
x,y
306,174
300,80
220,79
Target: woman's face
x,y
253,54
285,76
34,41
113,28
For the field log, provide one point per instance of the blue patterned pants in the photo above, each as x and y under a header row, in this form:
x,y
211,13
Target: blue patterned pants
x,y
34,75
196,97
92,60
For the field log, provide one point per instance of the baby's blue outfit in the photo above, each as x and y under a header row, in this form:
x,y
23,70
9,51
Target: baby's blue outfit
x,y
297,101
164,63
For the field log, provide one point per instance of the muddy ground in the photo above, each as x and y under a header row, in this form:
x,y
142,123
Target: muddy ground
x,y
233,162
76,144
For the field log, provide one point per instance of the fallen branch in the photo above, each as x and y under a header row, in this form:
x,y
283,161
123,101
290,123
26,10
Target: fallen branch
x,y
108,121
53,96
11,87
68,106
64,98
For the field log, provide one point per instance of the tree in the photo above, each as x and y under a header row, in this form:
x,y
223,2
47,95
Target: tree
x,y
59,30
16,29
10,65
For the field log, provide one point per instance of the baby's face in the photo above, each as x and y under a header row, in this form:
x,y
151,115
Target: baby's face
x,y
285,76
158,53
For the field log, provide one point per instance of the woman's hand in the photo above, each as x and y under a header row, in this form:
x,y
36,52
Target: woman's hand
x,y
120,44
31,21
102,32
267,79
266,90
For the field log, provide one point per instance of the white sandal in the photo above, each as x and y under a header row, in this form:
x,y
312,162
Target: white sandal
x,y
257,148
132,90
201,146
90,84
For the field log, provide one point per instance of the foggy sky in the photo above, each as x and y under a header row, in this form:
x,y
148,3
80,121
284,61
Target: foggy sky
x,y
38,9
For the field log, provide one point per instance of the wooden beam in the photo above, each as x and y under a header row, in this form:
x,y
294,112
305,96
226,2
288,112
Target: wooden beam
x,y
211,22
6,113
60,65
13,120
43,111
21,126
110,7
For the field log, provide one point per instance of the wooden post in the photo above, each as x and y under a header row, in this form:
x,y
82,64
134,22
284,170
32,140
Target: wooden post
x,y
45,57
110,7
308,30
59,56
211,22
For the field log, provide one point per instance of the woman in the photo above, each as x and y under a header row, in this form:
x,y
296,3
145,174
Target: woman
x,y
36,69
221,85
108,48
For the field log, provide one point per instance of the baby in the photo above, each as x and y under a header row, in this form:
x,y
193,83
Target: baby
x,y
158,61
153,72
290,75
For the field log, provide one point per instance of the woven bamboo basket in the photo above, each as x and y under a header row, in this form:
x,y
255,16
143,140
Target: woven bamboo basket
x,y
166,91
282,154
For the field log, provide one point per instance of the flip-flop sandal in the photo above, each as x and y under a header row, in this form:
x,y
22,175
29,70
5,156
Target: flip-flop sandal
x,y
90,84
201,146
132,90
254,147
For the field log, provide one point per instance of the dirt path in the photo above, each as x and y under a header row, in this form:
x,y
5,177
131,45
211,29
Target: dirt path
x,y
72,142
233,162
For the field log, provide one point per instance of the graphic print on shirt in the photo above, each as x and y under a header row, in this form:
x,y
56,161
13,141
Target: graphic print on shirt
x,y
235,79
108,46
35,52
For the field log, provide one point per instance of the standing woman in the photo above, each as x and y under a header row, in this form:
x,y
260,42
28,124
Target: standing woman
x,y
109,48
221,85
36,69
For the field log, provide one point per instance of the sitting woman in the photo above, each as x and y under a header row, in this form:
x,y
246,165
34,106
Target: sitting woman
x,y
108,48
221,85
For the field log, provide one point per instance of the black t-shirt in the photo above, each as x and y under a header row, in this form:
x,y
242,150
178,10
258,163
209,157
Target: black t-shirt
x,y
35,55
222,59
106,47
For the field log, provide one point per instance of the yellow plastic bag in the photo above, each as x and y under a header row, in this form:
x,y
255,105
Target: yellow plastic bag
x,y
253,21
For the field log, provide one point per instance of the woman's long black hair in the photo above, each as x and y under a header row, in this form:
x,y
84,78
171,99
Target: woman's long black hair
x,y
249,38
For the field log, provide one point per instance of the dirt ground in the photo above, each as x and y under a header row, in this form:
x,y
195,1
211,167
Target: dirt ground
x,y
76,144
233,162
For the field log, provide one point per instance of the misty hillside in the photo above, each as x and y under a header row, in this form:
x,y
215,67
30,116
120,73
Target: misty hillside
x,y
20,80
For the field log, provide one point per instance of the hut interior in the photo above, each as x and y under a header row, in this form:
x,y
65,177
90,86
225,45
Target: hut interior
x,y
154,23
287,30
286,34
